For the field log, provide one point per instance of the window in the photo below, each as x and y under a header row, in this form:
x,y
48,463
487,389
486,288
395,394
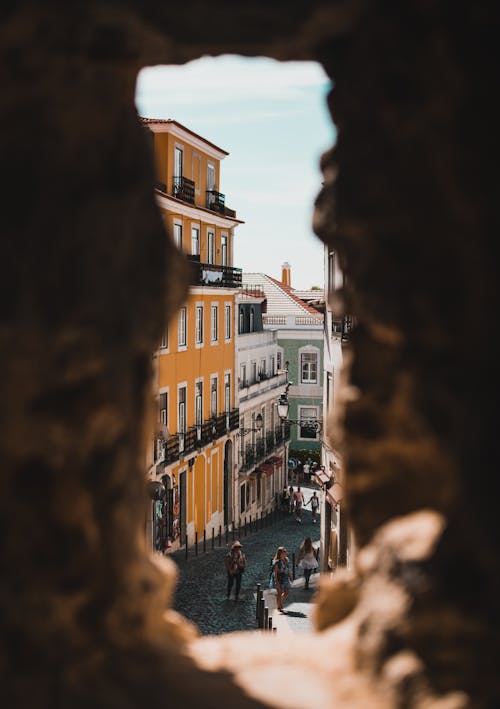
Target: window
x,y
242,497
241,320
227,322
164,409
252,320
214,323
253,366
243,375
213,397
199,325
278,360
195,240
198,403
164,340
271,367
178,235
309,367
211,247
227,393
308,413
223,246
182,327
182,410
262,371
178,162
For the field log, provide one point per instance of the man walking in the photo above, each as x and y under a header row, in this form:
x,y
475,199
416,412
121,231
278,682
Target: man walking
x,y
298,498
314,500
236,564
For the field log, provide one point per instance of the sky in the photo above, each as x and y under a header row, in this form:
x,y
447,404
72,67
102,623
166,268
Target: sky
x,y
272,118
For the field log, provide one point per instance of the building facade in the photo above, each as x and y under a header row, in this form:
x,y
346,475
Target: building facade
x,y
263,438
194,450
299,328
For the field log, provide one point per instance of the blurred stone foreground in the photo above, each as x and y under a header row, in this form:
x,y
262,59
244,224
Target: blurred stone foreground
x,y
409,201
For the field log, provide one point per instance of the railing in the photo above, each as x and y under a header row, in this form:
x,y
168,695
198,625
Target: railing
x,y
254,291
200,435
183,188
255,453
306,320
216,203
274,319
208,274
160,186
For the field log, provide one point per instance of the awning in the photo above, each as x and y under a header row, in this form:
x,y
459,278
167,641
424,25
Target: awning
x,y
266,469
335,494
322,477
275,460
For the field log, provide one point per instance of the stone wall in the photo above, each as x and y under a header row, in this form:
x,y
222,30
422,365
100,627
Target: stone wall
x,y
88,281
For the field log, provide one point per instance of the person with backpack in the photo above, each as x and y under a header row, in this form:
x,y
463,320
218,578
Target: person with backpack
x,y
236,564
281,577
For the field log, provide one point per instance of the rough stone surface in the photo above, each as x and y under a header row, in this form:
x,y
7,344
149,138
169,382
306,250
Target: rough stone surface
x,y
410,202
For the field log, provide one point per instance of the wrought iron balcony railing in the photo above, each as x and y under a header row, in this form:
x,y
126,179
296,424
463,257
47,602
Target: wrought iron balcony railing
x,y
183,188
181,444
216,203
255,453
209,274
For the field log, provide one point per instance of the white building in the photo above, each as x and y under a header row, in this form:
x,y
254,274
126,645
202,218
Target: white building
x,y
262,459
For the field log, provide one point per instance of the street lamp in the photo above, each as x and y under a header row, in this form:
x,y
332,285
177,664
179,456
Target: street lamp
x,y
283,408
258,427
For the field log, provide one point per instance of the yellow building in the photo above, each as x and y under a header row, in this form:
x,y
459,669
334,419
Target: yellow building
x,y
194,455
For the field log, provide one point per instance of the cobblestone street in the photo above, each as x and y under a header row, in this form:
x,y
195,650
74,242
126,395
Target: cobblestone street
x,y
201,592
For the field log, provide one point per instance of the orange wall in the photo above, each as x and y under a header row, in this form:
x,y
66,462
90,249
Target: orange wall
x,y
186,366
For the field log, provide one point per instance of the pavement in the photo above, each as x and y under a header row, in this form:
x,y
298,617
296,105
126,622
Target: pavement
x,y
201,590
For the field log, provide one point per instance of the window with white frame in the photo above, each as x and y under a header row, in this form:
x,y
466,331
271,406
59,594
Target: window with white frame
x,y
227,392
309,367
214,323
182,409
241,320
243,375
198,403
211,247
279,360
308,416
227,322
262,371
213,397
182,327
178,235
253,372
164,408
223,248
195,240
199,325
272,368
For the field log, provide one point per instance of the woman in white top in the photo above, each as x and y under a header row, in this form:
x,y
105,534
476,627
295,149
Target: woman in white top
x,y
308,559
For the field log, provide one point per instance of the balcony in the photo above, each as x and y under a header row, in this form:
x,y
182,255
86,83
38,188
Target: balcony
x,y
214,275
216,203
183,189
255,453
196,437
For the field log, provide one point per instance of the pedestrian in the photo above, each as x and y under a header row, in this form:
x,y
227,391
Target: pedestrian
x,y
281,577
291,501
306,469
314,500
299,471
298,498
307,559
285,499
236,564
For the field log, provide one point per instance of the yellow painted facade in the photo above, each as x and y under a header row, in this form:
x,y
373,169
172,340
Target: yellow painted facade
x,y
196,376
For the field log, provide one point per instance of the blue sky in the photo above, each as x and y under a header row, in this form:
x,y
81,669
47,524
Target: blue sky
x,y
272,118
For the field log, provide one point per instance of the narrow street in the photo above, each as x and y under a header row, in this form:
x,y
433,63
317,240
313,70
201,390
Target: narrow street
x,y
201,592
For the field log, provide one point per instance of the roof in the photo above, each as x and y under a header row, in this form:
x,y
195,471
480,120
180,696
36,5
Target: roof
x,y
281,299
150,121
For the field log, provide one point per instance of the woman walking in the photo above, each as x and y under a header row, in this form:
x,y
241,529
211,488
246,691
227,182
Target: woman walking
x,y
307,559
281,577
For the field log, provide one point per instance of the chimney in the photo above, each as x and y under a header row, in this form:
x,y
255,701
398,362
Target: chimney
x,y
286,276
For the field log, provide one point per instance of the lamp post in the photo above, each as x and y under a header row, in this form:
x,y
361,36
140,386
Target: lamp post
x,y
258,427
283,408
